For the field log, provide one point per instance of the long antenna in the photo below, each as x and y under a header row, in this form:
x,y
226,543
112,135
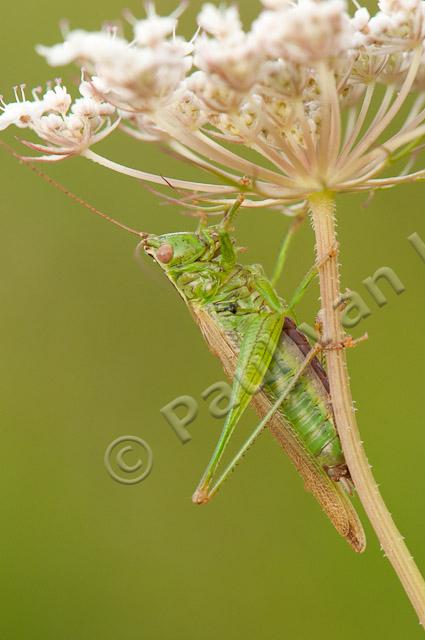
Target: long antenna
x,y
69,194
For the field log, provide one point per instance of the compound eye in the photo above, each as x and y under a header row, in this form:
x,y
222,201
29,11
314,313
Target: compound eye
x,y
165,253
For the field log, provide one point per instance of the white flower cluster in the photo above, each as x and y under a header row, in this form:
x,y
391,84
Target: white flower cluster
x,y
299,88
136,76
398,24
306,32
68,127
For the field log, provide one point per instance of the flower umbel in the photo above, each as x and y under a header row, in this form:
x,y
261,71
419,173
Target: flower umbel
x,y
302,89
66,128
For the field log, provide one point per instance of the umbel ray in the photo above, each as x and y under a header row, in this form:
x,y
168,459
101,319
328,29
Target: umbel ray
x,y
250,328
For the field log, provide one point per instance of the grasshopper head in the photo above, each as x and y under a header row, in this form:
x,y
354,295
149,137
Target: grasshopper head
x,y
173,249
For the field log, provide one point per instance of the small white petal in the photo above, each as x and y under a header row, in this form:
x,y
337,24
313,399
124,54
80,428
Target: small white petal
x,y
57,99
221,23
361,18
154,30
276,4
58,55
85,107
20,114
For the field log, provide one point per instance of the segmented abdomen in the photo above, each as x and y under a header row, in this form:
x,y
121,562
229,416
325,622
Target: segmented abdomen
x,y
307,408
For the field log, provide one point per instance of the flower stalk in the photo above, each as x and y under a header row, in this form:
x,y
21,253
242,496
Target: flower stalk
x,y
322,208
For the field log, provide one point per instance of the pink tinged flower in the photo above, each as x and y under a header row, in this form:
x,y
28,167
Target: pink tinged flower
x,y
88,89
276,4
360,19
186,109
298,89
58,55
214,92
222,23
237,62
132,77
65,128
307,31
233,55
20,113
154,30
84,46
49,124
399,24
57,99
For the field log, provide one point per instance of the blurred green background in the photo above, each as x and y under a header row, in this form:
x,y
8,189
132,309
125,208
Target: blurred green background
x,y
93,346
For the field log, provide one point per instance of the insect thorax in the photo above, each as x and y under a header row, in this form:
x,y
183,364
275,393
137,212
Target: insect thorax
x,y
228,291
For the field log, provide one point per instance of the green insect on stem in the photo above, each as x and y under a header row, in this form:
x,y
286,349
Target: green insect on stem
x,y
243,303
239,312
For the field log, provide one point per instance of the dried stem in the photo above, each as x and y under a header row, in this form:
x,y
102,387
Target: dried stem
x,y
322,207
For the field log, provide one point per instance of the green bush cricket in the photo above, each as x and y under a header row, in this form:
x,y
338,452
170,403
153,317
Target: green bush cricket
x,y
246,324
249,328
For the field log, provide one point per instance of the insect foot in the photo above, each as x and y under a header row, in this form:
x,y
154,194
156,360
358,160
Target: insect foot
x,y
347,343
201,496
332,253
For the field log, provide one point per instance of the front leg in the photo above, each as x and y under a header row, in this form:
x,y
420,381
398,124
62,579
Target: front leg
x,y
283,252
308,279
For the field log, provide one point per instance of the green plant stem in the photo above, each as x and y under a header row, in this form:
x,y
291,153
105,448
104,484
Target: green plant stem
x,y
283,253
322,209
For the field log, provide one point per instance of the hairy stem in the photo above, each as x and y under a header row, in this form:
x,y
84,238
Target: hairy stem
x,y
322,207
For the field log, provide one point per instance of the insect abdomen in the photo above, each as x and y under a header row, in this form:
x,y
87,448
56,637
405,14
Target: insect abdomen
x,y
307,409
